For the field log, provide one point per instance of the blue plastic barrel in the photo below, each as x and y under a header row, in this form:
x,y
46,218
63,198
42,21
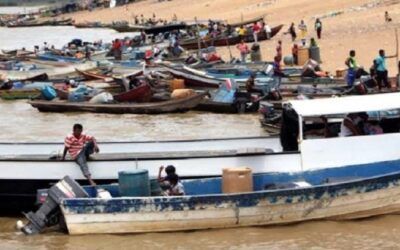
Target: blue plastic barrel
x,y
49,93
134,183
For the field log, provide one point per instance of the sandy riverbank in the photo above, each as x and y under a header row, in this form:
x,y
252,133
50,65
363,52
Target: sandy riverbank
x,y
360,26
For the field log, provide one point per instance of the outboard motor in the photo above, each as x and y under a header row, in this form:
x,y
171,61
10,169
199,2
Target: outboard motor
x,y
269,114
65,188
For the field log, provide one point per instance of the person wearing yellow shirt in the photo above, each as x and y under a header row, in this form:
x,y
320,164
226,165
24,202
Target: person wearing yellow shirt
x,y
242,31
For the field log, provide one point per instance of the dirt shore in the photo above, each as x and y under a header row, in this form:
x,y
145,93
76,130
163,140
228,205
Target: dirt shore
x,y
350,24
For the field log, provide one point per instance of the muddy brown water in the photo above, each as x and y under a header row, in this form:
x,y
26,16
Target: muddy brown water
x,y
377,233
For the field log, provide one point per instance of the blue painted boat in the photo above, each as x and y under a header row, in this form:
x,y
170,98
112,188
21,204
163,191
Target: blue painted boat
x,y
57,58
295,198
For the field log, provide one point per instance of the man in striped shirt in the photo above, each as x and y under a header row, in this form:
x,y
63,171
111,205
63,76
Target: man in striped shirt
x,y
80,147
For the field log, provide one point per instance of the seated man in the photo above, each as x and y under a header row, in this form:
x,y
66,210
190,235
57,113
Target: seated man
x,y
80,147
164,181
250,85
176,188
350,125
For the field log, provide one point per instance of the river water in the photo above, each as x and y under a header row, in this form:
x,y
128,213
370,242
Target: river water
x,y
20,122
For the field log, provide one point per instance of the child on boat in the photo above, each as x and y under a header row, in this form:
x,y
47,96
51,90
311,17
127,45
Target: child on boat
x,y
164,181
170,183
176,187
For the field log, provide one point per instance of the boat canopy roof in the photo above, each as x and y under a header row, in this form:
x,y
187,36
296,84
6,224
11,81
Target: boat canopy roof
x,y
344,105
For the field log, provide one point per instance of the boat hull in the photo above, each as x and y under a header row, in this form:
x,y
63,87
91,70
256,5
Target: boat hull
x,y
341,201
21,178
228,41
172,106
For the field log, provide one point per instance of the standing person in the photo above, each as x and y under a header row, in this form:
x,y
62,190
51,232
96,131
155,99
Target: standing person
x,y
242,32
267,30
318,27
256,29
295,54
303,32
381,70
277,67
279,50
143,37
292,32
244,50
87,52
117,49
352,66
80,147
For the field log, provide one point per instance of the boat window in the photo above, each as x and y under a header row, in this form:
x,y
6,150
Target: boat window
x,y
352,124
364,123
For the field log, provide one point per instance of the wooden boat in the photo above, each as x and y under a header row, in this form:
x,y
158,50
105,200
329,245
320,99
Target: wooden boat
x,y
206,207
263,82
94,75
17,94
247,22
193,80
154,30
90,25
49,63
29,91
326,156
16,52
192,44
213,144
50,71
58,58
228,99
141,93
39,171
65,22
171,106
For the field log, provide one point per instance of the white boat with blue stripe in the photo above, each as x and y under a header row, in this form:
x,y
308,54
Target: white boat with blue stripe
x,y
363,156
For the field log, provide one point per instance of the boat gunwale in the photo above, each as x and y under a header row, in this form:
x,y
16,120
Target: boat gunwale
x,y
149,141
315,189
12,158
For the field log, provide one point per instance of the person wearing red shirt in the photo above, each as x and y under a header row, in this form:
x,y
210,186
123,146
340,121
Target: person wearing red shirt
x,y
117,49
80,147
256,29
244,50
